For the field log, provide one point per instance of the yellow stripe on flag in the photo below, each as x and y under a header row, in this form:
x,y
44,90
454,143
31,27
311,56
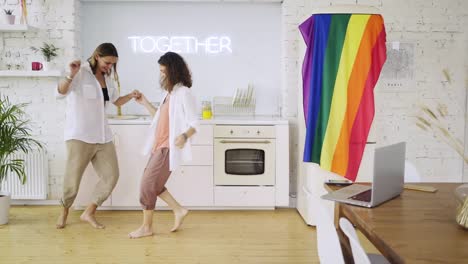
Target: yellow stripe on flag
x,y
356,26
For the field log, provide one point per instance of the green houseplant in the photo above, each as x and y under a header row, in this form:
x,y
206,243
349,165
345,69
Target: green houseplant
x,y
15,135
49,51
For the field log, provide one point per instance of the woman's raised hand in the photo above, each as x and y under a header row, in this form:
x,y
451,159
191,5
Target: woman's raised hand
x,y
74,67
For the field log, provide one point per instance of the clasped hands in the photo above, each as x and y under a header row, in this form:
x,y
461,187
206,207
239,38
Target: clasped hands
x,y
141,99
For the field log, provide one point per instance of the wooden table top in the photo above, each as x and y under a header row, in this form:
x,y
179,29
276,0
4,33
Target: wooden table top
x,y
416,227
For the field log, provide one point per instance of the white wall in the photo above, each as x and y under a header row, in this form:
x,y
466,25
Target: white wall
x,y
437,28
58,24
252,29
437,31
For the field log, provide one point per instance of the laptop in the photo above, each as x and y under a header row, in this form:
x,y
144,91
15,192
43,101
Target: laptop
x,y
388,180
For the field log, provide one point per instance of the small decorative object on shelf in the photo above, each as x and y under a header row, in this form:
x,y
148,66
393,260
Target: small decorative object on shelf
x,y
461,193
24,13
9,17
49,51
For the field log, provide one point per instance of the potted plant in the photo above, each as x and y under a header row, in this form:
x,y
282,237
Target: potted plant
x,y
10,18
15,135
49,51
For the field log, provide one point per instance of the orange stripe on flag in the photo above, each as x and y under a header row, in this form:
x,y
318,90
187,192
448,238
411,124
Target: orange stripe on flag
x,y
356,86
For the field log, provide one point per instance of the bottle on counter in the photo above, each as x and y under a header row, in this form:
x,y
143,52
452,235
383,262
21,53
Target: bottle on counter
x,y
206,110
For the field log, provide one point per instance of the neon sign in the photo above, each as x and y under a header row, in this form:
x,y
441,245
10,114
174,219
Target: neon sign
x,y
180,44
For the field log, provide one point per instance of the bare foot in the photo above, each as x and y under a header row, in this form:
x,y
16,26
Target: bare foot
x,y
143,231
62,220
91,219
179,218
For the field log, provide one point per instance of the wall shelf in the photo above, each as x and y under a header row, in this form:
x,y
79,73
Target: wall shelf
x,y
30,73
16,28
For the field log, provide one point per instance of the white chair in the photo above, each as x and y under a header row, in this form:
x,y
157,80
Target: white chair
x,y
359,255
328,243
411,173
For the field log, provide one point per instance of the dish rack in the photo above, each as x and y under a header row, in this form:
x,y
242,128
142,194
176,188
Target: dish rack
x,y
229,106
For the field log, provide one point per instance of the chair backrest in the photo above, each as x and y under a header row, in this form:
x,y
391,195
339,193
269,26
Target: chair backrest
x,y
328,243
411,173
359,255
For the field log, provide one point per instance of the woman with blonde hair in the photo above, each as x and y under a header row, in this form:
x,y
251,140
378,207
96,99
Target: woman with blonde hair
x,y
173,125
88,89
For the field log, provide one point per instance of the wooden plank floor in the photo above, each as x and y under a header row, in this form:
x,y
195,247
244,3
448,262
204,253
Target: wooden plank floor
x,y
278,236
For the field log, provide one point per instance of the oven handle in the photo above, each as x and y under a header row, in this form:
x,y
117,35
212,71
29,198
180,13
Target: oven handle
x,y
244,141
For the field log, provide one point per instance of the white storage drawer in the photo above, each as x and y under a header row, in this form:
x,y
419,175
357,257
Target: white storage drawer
x,y
237,131
244,196
203,136
191,186
201,156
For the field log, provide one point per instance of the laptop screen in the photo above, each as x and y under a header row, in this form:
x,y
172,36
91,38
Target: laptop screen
x,y
389,172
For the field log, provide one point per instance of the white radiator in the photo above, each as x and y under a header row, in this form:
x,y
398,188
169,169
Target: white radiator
x,y
37,174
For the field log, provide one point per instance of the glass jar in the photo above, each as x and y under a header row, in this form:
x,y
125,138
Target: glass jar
x,y
461,193
206,110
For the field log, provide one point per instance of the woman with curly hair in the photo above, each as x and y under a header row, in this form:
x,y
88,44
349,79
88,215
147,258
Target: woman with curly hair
x,y
174,123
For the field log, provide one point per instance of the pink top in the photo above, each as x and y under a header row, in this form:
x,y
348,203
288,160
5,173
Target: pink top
x,y
162,130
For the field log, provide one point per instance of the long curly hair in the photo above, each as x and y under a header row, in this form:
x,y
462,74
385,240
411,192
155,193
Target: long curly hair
x,y
177,70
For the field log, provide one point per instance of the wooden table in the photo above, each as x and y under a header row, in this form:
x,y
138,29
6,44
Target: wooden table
x,y
416,227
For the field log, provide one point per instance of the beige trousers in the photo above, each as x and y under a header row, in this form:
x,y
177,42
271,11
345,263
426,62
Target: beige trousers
x,y
104,160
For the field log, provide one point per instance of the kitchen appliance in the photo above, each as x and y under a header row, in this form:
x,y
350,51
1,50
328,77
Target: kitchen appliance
x,y
244,155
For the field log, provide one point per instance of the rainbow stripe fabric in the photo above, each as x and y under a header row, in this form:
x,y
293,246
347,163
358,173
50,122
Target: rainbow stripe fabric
x,y
344,57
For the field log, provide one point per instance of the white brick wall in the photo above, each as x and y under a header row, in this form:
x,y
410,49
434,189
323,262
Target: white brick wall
x,y
436,28
57,24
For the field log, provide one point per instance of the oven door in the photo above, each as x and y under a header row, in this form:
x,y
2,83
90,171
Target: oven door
x,y
244,161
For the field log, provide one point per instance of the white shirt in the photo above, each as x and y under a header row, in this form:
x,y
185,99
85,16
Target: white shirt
x,y
182,116
85,113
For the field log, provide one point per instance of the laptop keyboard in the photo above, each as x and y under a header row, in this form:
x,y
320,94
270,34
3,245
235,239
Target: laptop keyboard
x,y
364,196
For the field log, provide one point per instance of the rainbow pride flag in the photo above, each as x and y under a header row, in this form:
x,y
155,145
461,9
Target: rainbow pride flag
x,y
345,54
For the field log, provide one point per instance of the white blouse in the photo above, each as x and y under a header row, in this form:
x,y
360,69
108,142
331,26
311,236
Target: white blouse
x,y
182,116
85,112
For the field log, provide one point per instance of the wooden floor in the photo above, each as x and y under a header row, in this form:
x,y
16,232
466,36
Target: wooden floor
x,y
278,236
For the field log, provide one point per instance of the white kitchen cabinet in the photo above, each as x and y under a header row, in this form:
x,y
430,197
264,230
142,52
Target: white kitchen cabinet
x,y
191,184
129,141
282,166
245,196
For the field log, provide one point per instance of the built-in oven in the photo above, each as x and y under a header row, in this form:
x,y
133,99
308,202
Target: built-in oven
x,y
244,155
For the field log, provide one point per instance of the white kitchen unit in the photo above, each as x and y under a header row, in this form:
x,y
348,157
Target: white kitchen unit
x,y
128,140
183,183
193,183
249,165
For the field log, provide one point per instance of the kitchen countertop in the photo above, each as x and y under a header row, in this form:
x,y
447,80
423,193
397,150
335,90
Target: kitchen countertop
x,y
219,120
